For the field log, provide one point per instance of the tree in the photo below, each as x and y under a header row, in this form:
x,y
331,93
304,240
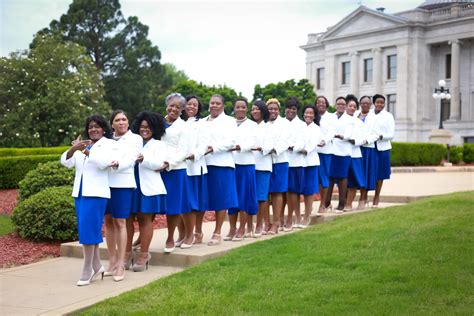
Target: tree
x,y
46,93
303,90
128,62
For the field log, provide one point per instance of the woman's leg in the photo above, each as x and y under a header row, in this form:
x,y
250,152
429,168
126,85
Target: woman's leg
x,y
198,235
172,221
292,200
120,225
277,204
322,193
362,199
378,189
351,193
330,188
342,186
243,222
232,226
308,208
189,223
110,238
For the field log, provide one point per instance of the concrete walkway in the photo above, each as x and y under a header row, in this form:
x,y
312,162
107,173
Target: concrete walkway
x,y
48,287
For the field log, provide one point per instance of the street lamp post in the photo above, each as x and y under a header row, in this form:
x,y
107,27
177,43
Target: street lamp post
x,y
441,93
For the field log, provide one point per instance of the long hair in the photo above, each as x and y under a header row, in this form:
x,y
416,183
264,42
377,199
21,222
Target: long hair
x,y
155,122
317,117
263,110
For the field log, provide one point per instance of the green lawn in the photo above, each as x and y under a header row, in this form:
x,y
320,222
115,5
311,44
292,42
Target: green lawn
x,y
414,259
6,226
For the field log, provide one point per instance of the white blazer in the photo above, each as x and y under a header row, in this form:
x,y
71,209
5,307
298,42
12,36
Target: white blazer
x,y
370,136
280,138
358,135
296,129
312,139
222,132
327,125
344,126
384,125
154,154
246,137
126,149
92,169
176,145
197,138
263,159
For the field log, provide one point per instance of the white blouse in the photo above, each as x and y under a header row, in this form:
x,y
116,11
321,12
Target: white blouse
x,y
280,137
344,126
153,158
384,125
175,145
312,139
126,149
263,159
296,129
327,125
246,138
197,136
222,132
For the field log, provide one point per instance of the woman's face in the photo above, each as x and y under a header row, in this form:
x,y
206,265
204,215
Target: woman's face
x,y
215,107
308,115
351,107
274,110
340,106
321,105
256,114
120,124
192,107
173,109
365,105
145,131
240,110
379,105
95,131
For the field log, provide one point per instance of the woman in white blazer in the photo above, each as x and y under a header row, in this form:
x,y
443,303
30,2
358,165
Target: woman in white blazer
x,y
384,127
92,159
122,184
149,198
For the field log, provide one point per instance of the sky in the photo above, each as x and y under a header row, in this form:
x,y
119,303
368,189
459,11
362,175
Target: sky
x,y
217,42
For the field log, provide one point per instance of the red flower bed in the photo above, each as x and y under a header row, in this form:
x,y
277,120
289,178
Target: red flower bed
x,y
8,200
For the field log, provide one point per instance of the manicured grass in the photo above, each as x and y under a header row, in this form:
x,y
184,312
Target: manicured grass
x,y
6,226
414,259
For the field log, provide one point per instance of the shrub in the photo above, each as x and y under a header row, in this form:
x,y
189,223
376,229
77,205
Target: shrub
x,y
46,175
468,153
47,215
455,154
417,154
10,152
14,169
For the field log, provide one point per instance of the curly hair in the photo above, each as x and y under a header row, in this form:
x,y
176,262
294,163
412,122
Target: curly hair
x,y
155,121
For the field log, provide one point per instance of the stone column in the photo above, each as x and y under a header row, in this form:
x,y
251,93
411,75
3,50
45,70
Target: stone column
x,y
455,80
377,70
330,74
354,73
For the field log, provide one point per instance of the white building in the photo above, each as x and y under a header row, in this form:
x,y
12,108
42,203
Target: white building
x,y
402,56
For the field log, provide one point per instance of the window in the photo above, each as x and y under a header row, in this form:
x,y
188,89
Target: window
x,y
391,103
320,79
346,72
445,109
392,67
368,69
448,66
469,140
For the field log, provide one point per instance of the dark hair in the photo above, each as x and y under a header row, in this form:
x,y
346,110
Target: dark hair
x,y
155,121
101,121
317,117
378,96
184,116
292,102
217,96
339,98
324,98
240,99
115,113
351,97
263,110
363,97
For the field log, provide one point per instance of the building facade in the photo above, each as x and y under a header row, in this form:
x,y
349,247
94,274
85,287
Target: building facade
x,y
402,56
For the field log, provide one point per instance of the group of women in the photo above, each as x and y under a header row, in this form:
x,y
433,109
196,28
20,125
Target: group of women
x,y
183,164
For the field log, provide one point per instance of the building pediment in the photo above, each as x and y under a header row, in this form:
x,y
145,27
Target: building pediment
x,y
363,20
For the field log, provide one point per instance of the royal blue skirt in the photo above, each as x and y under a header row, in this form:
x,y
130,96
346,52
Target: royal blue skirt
x,y
176,185
197,193
263,184
246,190
369,161
324,166
296,180
279,178
339,168
120,203
383,162
154,204
222,188
356,177
311,183
90,213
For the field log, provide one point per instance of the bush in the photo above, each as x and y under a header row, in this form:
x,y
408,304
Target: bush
x,y
14,169
47,215
417,154
10,152
455,154
46,175
468,153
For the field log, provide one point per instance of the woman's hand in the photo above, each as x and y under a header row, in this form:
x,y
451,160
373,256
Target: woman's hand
x,y
209,150
190,157
140,158
163,167
114,164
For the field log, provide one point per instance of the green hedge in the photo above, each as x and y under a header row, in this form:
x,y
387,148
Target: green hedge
x,y
417,154
455,154
11,152
14,169
468,153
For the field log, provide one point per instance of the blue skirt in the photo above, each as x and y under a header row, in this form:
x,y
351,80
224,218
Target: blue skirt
x,y
197,193
90,213
177,201
263,184
120,203
356,178
246,190
296,180
311,185
147,204
339,168
369,161
222,188
279,178
383,162
323,172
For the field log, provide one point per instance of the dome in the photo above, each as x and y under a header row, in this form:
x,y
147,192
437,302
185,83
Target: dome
x,y
435,4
